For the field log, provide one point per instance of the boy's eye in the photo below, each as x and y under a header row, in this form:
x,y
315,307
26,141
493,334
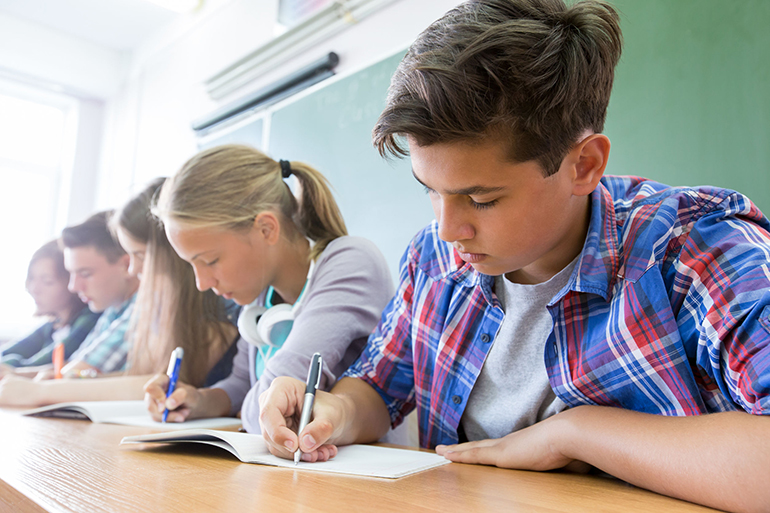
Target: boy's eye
x,y
212,262
427,189
483,205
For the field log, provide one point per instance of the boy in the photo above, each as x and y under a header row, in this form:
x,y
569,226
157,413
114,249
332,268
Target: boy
x,y
555,316
99,273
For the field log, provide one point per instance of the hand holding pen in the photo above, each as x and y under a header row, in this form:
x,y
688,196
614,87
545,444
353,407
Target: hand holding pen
x,y
173,374
313,380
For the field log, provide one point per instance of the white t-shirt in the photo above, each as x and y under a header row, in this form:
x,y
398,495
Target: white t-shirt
x,y
512,391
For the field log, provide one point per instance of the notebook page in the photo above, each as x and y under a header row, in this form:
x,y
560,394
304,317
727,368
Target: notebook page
x,y
360,460
127,413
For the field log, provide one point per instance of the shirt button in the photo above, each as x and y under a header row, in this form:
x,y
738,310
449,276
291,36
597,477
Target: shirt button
x,y
457,399
485,338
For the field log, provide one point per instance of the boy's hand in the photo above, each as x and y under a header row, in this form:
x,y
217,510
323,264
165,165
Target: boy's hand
x,y
6,370
280,408
45,375
532,448
182,404
18,391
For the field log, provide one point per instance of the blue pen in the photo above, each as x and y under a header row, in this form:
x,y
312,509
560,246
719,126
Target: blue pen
x,y
173,374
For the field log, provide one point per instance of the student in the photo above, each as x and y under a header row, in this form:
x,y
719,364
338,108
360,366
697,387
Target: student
x,y
232,216
98,269
69,319
168,312
630,307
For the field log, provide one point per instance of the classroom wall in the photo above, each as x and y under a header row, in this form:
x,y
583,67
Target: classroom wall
x,y
148,125
691,102
40,54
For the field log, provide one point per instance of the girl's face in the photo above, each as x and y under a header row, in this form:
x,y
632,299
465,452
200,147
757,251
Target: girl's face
x,y
136,250
47,288
233,264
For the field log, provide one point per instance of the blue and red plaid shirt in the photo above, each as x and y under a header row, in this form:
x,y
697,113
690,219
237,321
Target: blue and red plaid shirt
x,y
666,312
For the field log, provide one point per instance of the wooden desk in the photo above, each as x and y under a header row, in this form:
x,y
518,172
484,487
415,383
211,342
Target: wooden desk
x,y
70,465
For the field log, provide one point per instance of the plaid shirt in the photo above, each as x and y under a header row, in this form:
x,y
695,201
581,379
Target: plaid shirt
x,y
106,347
666,312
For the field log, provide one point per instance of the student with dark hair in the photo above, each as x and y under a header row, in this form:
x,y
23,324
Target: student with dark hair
x,y
551,316
168,313
70,320
99,274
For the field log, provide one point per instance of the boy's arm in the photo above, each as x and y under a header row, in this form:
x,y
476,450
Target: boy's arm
x,y
719,460
353,412
16,391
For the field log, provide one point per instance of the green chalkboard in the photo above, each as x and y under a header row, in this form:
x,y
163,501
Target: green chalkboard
x,y
330,128
250,133
691,103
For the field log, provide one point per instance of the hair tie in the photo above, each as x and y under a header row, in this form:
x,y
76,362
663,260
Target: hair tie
x,y
285,168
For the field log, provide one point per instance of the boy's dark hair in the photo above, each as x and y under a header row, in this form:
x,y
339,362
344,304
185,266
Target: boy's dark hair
x,y
94,232
535,72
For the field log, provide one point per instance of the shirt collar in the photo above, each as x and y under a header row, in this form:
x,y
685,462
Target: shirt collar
x,y
599,262
114,312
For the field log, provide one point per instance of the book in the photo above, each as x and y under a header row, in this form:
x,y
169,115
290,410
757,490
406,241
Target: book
x,y
127,413
360,460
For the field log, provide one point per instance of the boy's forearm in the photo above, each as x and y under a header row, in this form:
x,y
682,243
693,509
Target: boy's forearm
x,y
31,372
366,417
122,388
718,460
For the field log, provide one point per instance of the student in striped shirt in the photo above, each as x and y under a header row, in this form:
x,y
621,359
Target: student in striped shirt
x,y
553,317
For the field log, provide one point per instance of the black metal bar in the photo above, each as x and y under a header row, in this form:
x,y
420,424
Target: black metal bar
x,y
300,79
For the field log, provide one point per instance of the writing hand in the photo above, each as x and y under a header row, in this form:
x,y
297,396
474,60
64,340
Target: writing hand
x,y
182,404
280,409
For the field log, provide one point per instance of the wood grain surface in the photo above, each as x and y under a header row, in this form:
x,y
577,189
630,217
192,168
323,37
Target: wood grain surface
x,y
75,466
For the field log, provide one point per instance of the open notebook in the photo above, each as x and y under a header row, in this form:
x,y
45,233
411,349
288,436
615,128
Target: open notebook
x,y
128,413
360,460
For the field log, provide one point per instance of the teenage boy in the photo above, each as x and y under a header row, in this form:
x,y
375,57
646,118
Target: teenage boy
x,y
99,274
556,317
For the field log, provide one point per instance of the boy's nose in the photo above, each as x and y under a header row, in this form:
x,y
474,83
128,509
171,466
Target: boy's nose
x,y
453,226
74,284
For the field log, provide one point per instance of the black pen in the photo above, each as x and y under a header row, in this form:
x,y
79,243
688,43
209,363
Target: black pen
x,y
313,380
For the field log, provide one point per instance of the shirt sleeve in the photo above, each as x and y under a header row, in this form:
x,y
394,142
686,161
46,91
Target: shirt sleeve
x,y
108,350
386,363
345,297
79,330
16,353
238,383
724,268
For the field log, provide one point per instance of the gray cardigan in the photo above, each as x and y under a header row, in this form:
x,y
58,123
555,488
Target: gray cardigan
x,y
344,299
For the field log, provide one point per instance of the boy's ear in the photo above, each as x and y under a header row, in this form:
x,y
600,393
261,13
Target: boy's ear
x,y
267,226
589,158
124,262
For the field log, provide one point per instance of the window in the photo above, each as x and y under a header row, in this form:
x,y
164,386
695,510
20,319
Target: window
x,y
37,134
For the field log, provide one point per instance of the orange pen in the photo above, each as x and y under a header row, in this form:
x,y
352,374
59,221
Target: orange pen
x,y
58,359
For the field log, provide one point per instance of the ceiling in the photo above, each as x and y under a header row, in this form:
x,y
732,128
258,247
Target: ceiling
x,y
115,24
